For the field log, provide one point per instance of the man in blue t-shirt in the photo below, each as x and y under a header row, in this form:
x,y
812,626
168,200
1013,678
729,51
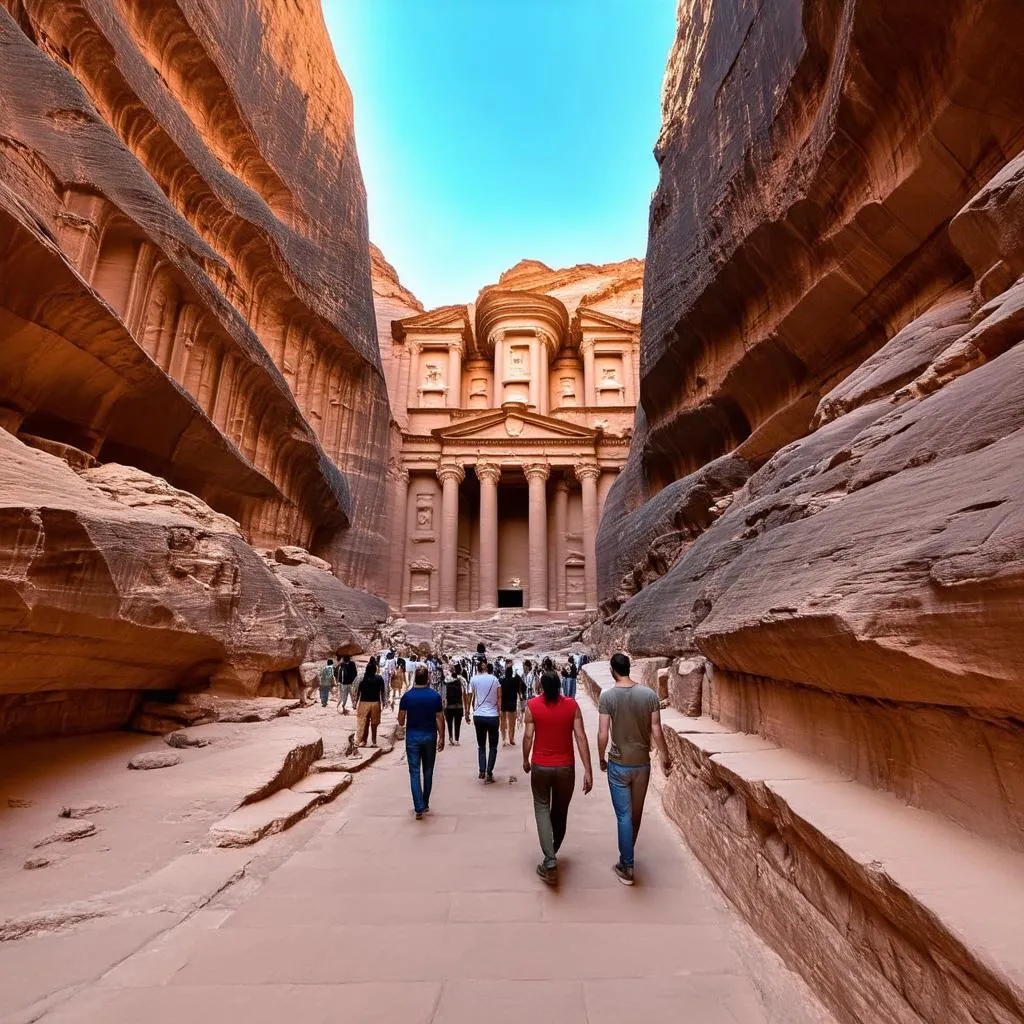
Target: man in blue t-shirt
x,y
421,714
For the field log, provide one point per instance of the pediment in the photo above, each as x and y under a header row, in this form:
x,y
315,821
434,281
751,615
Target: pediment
x,y
587,317
445,319
516,425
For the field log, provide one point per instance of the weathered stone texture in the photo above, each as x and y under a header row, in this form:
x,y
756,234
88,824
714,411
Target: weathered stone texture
x,y
832,300
186,316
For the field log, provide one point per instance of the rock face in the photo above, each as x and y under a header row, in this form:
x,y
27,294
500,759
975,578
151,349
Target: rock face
x,y
824,494
185,291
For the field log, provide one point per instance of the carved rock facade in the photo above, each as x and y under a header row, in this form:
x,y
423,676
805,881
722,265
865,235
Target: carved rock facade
x,y
512,418
184,268
824,496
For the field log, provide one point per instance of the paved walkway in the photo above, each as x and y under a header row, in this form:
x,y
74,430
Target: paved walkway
x,y
380,918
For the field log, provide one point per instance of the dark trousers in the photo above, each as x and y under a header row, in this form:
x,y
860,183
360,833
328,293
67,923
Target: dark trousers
x,y
453,716
486,733
420,752
552,794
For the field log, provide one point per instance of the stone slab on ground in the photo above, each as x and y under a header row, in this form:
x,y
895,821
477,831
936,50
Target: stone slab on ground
x,y
912,917
328,785
596,677
278,761
277,812
67,832
243,709
363,759
154,760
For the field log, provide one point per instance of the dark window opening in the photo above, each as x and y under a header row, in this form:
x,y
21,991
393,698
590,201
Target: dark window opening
x,y
510,599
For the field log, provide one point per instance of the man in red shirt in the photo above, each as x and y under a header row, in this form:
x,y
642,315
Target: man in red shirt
x,y
552,723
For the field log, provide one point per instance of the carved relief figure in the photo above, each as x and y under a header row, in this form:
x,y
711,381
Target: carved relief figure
x,y
433,375
424,512
609,377
517,361
478,387
568,386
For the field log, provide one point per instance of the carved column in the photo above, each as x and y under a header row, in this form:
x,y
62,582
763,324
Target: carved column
x,y
455,377
488,474
536,476
587,474
535,375
561,544
399,519
499,370
589,383
451,475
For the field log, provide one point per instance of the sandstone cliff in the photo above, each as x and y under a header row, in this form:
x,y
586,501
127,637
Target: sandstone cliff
x,y
185,289
824,495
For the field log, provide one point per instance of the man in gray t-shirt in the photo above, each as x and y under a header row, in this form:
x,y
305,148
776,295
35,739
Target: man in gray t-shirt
x,y
631,718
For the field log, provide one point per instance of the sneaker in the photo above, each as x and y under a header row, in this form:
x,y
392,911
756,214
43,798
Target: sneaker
x,y
419,815
489,781
623,874
481,776
549,876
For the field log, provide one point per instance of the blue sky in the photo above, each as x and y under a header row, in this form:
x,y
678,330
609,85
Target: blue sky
x,y
495,130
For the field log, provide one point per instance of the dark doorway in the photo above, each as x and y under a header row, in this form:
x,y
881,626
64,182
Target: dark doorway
x,y
510,599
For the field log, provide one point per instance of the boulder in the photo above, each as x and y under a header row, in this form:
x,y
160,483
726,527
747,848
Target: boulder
x,y
156,759
67,832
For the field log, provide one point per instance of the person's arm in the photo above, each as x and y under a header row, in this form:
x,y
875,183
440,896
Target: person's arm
x,y
382,691
659,741
603,731
528,730
439,718
579,732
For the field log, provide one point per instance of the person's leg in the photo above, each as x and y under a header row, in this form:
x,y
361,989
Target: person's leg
x,y
540,784
363,723
429,755
412,755
563,782
511,719
638,783
325,693
480,725
492,736
374,722
619,787
457,723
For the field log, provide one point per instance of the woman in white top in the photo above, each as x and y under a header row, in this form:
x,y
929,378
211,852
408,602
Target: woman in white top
x,y
486,701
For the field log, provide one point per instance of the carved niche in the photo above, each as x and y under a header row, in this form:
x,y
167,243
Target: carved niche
x,y
420,572
424,512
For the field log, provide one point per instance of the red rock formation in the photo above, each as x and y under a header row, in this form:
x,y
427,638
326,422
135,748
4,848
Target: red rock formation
x,y
185,289
208,208
824,496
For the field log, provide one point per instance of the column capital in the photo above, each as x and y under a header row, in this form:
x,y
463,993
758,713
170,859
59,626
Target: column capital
x,y
489,471
587,344
588,471
540,470
451,470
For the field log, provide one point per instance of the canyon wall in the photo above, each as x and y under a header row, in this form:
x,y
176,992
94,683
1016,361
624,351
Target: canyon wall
x,y
185,292
823,507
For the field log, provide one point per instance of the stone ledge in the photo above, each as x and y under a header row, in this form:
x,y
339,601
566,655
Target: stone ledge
x,y
911,918
277,812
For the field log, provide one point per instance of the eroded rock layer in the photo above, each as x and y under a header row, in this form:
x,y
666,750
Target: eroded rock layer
x,y
185,293
824,497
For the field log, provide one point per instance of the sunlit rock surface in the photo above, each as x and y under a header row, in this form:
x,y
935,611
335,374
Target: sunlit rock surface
x,y
824,495
185,292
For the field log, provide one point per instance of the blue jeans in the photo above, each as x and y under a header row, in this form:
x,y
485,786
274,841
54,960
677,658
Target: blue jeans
x,y
421,752
569,686
628,785
325,694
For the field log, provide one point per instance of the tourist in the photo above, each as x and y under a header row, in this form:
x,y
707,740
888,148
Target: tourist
x,y
632,714
346,677
326,682
570,685
399,680
388,666
371,696
528,691
486,695
552,723
419,713
565,680
454,705
512,689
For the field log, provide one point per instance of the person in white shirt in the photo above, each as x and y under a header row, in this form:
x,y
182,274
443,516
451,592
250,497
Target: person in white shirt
x,y
486,701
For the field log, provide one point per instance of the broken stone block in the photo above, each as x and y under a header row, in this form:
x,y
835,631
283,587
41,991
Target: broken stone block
x,y
34,863
84,810
67,832
157,759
